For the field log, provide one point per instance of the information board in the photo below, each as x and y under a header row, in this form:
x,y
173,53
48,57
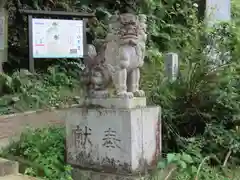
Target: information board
x,y
54,38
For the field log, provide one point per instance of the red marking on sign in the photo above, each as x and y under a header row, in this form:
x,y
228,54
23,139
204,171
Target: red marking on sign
x,y
39,45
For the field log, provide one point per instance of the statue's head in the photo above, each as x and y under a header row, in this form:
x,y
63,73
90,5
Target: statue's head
x,y
129,29
126,28
94,78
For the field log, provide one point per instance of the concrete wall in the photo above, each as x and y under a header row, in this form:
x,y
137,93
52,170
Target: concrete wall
x,y
12,125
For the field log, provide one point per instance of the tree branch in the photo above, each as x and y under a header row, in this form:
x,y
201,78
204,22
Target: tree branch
x,y
227,157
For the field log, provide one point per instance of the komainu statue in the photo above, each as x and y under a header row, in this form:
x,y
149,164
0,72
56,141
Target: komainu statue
x,y
119,60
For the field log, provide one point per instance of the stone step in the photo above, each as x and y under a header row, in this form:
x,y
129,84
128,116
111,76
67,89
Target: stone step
x,y
18,177
8,167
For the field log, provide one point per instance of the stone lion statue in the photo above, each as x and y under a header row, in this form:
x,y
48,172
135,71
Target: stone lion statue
x,y
120,58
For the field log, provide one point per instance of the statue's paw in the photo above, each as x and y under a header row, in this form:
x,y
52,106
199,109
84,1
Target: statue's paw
x,y
125,95
100,94
139,93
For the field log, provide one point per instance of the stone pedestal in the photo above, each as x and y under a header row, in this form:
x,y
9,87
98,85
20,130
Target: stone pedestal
x,y
115,140
119,102
78,174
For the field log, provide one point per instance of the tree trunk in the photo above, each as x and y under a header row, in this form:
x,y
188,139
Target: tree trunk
x,y
201,9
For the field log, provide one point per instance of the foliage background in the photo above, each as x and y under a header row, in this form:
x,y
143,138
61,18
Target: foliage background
x,y
201,108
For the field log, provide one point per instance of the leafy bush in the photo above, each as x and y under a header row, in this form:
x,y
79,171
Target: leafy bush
x,y
23,90
201,107
41,153
204,94
183,166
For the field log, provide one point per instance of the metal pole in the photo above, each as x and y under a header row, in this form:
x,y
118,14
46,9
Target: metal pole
x,y
85,47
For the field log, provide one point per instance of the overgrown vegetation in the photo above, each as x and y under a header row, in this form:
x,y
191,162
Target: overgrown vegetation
x,y
201,140
41,153
23,91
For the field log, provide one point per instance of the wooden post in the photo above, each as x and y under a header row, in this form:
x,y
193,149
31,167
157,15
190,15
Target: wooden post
x,y
3,36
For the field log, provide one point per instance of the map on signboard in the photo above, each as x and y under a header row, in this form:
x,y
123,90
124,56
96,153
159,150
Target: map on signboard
x,y
54,38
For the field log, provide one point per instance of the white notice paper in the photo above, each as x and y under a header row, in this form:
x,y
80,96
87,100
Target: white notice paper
x,y
54,38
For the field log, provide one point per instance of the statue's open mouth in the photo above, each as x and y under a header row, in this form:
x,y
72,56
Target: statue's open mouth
x,y
129,36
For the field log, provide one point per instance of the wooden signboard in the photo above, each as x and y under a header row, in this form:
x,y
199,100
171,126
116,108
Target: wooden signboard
x,y
49,36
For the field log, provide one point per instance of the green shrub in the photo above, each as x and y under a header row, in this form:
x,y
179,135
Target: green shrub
x,y
204,93
41,153
24,91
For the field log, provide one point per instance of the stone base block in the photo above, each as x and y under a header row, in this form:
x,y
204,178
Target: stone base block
x,y
126,141
18,177
78,174
8,167
135,102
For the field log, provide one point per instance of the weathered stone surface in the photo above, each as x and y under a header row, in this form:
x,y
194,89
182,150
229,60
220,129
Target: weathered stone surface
x,y
11,126
78,174
119,102
117,63
113,140
8,167
18,177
